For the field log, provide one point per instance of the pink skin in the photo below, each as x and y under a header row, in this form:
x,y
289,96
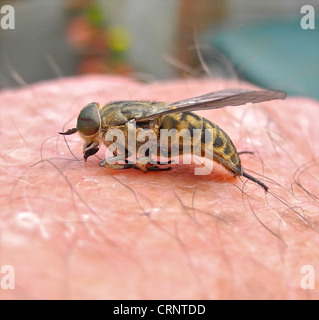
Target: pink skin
x,y
75,230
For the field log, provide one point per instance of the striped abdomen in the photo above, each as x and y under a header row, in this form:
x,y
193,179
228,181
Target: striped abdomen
x,y
218,145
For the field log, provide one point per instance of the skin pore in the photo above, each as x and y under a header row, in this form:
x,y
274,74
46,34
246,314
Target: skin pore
x,y
74,230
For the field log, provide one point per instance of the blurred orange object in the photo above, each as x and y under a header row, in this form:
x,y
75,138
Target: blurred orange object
x,y
101,48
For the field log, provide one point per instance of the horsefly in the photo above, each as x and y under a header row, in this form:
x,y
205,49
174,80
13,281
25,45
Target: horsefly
x,y
136,128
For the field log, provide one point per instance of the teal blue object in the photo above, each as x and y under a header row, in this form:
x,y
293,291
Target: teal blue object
x,y
274,54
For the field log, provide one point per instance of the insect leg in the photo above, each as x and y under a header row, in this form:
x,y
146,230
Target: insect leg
x,y
117,166
164,164
156,168
105,163
143,164
92,145
90,149
160,151
128,164
90,152
150,168
243,152
122,166
127,155
116,158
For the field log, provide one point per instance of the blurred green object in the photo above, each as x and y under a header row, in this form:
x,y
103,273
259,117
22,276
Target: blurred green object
x,y
95,14
273,54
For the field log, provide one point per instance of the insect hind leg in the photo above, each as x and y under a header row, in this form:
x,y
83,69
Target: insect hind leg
x,y
151,168
245,152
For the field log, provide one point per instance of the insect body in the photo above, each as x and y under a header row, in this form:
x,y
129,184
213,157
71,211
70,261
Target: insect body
x,y
94,122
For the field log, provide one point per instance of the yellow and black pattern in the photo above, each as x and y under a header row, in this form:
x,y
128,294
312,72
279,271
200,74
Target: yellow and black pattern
x,y
95,121
212,137
224,150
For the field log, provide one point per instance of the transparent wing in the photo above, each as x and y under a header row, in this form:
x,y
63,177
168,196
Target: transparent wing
x,y
215,100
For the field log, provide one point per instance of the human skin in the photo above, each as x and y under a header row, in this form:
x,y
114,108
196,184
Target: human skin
x,y
75,230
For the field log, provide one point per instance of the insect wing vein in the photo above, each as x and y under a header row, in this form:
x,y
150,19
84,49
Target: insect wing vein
x,y
220,99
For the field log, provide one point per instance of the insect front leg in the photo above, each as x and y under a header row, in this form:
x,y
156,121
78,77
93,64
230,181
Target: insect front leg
x,y
89,149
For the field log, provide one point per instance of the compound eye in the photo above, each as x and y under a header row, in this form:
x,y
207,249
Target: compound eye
x,y
89,120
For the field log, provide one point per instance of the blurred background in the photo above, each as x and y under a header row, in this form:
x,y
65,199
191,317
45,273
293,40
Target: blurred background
x,y
262,42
